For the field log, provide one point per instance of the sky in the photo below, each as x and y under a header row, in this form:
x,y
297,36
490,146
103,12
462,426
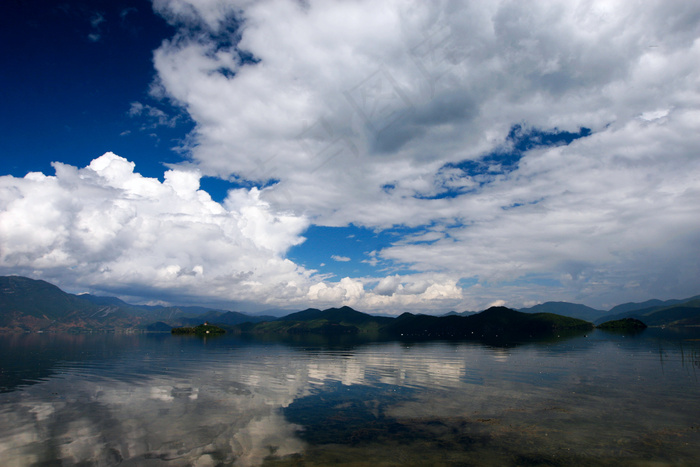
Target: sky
x,y
386,155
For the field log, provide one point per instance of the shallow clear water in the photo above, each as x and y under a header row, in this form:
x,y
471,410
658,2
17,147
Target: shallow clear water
x,y
600,399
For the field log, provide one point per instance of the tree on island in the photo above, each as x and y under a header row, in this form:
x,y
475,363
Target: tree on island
x,y
201,330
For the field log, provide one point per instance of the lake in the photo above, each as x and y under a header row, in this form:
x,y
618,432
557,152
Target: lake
x,y
162,400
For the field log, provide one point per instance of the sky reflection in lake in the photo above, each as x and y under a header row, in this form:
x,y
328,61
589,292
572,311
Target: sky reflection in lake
x,y
163,400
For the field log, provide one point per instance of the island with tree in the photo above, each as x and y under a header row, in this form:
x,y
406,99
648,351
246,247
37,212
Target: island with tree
x,y
205,329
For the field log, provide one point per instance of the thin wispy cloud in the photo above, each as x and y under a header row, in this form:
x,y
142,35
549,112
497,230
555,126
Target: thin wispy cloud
x,y
153,116
95,21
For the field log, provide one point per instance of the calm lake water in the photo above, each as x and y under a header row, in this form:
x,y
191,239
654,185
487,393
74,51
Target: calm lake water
x,y
161,400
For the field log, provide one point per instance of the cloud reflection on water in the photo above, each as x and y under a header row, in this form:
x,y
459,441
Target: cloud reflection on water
x,y
202,410
190,402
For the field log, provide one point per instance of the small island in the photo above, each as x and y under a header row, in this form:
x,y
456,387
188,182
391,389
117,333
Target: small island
x,y
623,325
205,329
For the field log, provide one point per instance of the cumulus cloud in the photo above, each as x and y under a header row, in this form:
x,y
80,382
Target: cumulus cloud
x,y
388,285
392,294
342,259
109,226
362,114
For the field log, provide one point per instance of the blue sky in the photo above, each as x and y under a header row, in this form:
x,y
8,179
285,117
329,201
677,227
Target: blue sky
x,y
70,73
392,156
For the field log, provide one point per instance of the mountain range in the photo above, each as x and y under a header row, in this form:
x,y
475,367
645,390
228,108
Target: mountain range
x,y
683,312
659,313
35,305
492,324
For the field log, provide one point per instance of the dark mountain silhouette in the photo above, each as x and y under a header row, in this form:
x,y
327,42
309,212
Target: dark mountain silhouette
x,y
494,322
333,321
344,315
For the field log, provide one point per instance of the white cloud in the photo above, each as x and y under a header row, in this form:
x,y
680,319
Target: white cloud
x,y
346,292
342,259
107,226
393,295
334,102
654,114
356,109
212,13
388,285
592,216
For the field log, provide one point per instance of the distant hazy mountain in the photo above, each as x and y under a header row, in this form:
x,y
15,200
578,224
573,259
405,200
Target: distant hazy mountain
x,y
658,304
147,311
35,305
681,313
462,313
276,312
573,310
